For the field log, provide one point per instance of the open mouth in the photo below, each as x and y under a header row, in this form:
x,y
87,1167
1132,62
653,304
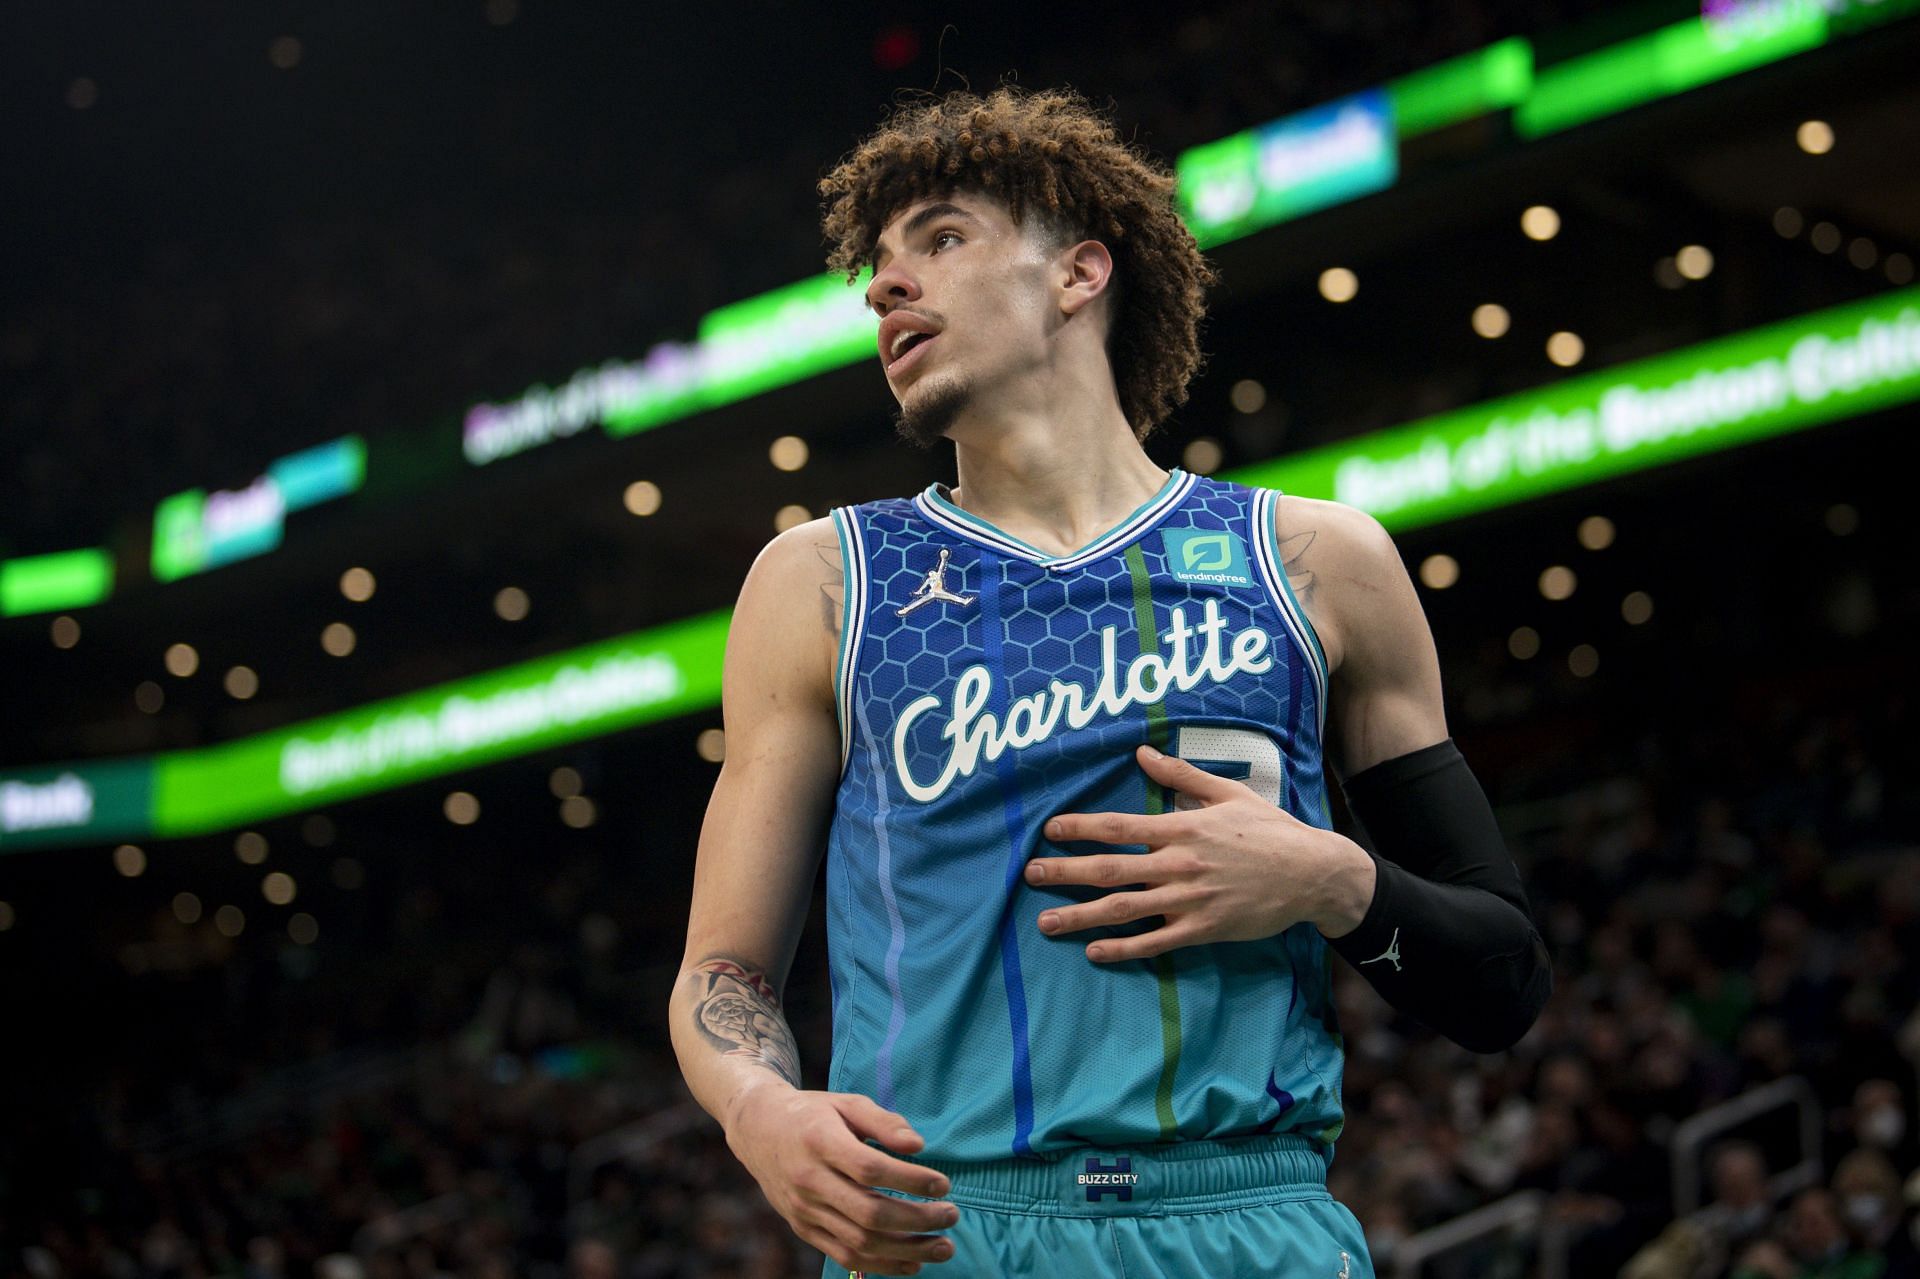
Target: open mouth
x,y
910,353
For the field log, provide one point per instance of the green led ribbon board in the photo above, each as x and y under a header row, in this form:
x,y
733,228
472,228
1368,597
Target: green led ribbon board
x,y
64,579
550,701
585,692
1785,377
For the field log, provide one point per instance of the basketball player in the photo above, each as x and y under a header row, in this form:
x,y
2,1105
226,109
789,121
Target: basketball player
x,y
1065,729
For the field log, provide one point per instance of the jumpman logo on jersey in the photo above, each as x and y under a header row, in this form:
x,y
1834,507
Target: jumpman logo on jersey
x,y
1343,1266
1391,952
934,588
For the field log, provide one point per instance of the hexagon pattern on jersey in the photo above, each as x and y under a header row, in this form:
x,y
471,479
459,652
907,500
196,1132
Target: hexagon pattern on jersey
x,y
950,1005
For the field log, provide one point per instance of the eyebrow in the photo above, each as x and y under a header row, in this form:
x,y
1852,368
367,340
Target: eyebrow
x,y
944,209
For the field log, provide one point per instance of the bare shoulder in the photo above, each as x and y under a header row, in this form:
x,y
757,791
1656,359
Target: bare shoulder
x,y
1385,697
1341,563
787,622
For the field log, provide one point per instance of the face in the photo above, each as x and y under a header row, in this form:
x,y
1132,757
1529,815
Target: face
x,y
957,267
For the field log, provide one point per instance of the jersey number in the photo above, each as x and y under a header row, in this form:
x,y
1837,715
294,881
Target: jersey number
x,y
1255,755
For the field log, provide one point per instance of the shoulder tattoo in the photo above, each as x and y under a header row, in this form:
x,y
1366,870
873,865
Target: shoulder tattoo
x,y
1293,562
833,586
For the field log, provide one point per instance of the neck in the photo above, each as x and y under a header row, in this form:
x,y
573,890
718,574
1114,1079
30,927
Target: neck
x,y
1055,475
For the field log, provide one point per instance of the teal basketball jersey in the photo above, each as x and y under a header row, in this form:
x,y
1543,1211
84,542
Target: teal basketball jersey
x,y
985,686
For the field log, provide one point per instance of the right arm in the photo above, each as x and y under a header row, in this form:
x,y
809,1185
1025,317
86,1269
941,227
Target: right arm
x,y
759,851
760,844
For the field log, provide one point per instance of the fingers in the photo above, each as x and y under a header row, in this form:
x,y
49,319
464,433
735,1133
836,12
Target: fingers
x,y
1115,908
1116,828
1145,945
1171,770
1107,870
866,1117
889,1233
865,1166
860,1247
874,1211
833,1209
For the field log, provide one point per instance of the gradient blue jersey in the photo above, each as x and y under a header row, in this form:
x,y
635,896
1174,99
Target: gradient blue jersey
x,y
985,686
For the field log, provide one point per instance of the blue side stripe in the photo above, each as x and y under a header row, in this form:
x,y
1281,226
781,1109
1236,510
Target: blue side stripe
x,y
896,927
1007,768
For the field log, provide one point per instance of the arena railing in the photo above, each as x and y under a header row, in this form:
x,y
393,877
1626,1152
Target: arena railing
x,y
1522,1218
1692,1135
397,1227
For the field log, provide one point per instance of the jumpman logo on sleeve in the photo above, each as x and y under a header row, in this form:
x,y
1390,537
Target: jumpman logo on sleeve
x,y
1392,952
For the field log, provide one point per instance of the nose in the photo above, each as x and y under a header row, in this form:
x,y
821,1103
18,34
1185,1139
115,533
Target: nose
x,y
891,286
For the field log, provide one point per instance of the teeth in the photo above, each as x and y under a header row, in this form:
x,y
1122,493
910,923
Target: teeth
x,y
900,340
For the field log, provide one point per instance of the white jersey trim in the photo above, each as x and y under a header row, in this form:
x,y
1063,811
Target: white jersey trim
x,y
946,515
853,623
1266,554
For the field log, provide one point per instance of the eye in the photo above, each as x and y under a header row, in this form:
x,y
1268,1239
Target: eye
x,y
941,235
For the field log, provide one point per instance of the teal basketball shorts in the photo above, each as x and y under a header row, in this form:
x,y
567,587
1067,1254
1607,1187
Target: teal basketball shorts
x,y
1247,1206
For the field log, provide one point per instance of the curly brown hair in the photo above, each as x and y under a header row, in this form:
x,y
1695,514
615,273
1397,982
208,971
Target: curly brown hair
x,y
1047,154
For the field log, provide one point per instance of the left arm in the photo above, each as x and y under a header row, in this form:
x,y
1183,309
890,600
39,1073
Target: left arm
x,y
1448,937
1436,921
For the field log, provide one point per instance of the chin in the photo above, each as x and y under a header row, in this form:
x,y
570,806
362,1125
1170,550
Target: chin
x,y
930,407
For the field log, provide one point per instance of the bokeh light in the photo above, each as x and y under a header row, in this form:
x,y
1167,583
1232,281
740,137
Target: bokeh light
x,y
1439,571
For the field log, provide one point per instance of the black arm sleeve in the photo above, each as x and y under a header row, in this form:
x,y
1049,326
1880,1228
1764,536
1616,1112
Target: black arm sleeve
x,y
1449,939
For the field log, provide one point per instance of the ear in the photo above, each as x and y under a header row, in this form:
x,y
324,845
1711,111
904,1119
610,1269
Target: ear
x,y
1084,271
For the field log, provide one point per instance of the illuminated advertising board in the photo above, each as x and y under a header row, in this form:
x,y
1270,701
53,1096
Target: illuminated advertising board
x,y
69,804
1293,166
581,693
1785,377
64,579
196,530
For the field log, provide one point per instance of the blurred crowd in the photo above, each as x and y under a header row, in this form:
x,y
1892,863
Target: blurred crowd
x,y
1728,908
1728,913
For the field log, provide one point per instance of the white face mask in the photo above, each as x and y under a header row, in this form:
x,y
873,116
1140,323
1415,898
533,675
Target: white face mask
x,y
1883,1126
1864,1211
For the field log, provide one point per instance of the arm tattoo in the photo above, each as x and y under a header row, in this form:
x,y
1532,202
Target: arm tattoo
x,y
833,587
1293,560
738,1010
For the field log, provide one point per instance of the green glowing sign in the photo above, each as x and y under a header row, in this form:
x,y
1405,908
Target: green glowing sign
x,y
64,579
1683,56
582,693
1688,54
179,540
751,346
785,335
1785,377
1473,84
